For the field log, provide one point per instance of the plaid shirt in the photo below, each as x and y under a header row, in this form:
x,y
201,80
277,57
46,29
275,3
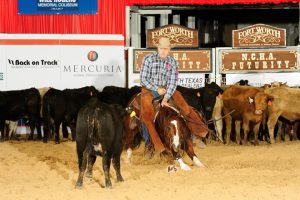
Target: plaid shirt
x,y
156,72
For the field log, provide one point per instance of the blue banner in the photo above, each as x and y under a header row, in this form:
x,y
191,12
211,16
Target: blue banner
x,y
57,6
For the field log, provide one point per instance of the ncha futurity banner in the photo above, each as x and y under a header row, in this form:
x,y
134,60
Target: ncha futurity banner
x,y
57,6
61,61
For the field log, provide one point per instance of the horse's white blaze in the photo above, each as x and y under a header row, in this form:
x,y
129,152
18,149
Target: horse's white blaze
x,y
176,137
197,162
129,155
182,165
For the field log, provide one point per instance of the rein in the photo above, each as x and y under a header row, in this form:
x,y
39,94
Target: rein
x,y
215,120
185,117
216,134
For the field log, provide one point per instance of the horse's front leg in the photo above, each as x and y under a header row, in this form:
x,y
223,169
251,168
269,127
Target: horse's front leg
x,y
190,152
129,156
128,137
179,160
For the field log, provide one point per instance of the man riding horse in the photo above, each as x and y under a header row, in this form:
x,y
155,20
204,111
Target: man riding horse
x,y
159,77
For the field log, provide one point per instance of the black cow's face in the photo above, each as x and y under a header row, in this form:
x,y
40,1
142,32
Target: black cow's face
x,y
209,94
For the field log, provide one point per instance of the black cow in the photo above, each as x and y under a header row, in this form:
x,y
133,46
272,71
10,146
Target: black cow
x,y
203,99
99,132
19,104
191,96
242,82
118,95
62,107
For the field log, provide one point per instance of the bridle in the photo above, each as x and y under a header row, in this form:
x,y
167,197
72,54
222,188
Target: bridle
x,y
189,119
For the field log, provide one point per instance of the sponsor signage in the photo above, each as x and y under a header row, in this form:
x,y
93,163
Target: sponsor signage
x,y
258,60
57,6
259,35
61,61
188,60
179,36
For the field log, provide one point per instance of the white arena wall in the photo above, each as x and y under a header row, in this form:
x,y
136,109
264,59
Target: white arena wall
x,y
61,61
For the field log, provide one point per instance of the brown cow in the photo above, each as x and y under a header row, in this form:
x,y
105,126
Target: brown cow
x,y
285,103
246,104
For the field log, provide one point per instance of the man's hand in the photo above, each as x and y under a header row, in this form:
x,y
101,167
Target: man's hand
x,y
161,90
164,102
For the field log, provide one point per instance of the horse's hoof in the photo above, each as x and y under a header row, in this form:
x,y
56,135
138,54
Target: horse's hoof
x,y
185,168
197,162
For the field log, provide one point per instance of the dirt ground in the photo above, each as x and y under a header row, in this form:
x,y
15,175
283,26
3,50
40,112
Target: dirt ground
x,y
38,171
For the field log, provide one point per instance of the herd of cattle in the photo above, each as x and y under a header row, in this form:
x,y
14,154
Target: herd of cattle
x,y
258,108
85,109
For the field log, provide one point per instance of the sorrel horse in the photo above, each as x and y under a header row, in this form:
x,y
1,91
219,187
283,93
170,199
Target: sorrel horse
x,y
171,126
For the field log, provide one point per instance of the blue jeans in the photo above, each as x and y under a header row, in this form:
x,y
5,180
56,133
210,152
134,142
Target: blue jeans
x,y
144,128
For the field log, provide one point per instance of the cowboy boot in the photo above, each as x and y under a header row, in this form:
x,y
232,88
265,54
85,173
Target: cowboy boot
x,y
149,151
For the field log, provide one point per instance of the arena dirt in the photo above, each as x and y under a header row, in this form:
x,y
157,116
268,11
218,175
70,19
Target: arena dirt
x,y
38,171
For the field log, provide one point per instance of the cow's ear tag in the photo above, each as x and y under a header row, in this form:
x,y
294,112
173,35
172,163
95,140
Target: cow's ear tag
x,y
269,103
250,100
132,114
198,94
